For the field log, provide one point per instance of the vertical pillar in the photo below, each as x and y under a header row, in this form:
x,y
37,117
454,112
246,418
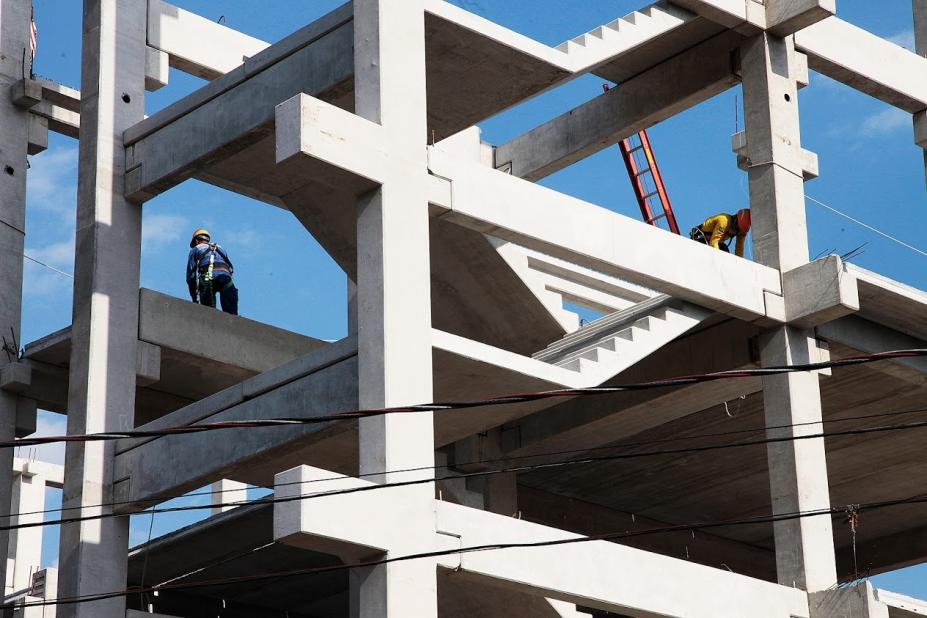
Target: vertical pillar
x,y
25,550
101,395
352,307
225,491
920,47
797,469
393,301
14,139
920,26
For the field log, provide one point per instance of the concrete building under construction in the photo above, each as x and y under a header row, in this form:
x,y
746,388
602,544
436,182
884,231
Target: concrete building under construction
x,y
362,125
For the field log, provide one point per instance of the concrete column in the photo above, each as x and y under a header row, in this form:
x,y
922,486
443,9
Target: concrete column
x,y
393,301
104,331
920,47
920,26
25,549
14,139
798,470
352,307
225,491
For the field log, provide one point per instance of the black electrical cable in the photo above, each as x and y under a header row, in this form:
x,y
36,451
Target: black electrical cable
x,y
505,470
614,536
722,434
463,405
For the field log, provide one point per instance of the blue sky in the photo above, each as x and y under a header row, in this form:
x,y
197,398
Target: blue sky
x,y
870,169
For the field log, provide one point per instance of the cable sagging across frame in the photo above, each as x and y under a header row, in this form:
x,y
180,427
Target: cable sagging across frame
x,y
463,405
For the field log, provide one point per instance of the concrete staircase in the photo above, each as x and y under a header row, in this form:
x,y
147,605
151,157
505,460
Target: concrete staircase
x,y
555,282
611,344
623,34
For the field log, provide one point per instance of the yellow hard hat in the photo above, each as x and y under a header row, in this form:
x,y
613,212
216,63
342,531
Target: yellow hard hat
x,y
197,234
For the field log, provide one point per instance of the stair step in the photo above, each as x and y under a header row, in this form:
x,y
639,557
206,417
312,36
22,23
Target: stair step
x,y
636,18
611,345
580,40
610,322
633,28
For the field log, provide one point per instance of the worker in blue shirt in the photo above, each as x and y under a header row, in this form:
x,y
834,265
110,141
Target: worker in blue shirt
x,y
209,272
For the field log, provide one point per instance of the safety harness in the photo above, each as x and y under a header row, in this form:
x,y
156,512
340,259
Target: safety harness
x,y
206,275
698,235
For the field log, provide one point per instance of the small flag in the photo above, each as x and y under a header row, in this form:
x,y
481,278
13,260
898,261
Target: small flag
x,y
33,35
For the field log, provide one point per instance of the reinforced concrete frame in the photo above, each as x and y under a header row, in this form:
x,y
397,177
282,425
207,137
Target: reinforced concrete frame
x,y
361,124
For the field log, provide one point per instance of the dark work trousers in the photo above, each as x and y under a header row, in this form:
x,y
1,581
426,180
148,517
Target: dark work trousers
x,y
222,285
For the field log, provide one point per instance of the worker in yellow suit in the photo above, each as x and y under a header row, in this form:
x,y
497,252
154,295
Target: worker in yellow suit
x,y
718,230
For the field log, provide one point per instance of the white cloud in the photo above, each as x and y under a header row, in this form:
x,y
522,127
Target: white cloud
x,y
51,182
59,254
885,121
47,424
905,39
160,229
39,280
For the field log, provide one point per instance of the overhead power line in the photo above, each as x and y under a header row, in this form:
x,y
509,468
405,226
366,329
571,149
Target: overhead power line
x,y
867,226
40,263
463,405
502,459
614,536
482,473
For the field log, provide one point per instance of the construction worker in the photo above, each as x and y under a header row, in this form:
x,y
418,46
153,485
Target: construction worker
x,y
717,231
209,272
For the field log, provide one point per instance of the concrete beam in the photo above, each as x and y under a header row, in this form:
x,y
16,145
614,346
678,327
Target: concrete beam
x,y
809,160
891,303
747,17
57,105
859,601
539,218
26,416
819,292
340,525
866,62
780,17
225,491
545,508
698,591
175,324
319,383
238,106
901,606
197,45
60,120
308,127
53,474
784,17
655,95
16,377
59,94
590,423
38,134
157,69
25,93
869,337
147,363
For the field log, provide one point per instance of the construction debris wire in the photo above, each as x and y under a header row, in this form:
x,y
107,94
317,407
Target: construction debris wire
x,y
615,536
463,405
626,445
